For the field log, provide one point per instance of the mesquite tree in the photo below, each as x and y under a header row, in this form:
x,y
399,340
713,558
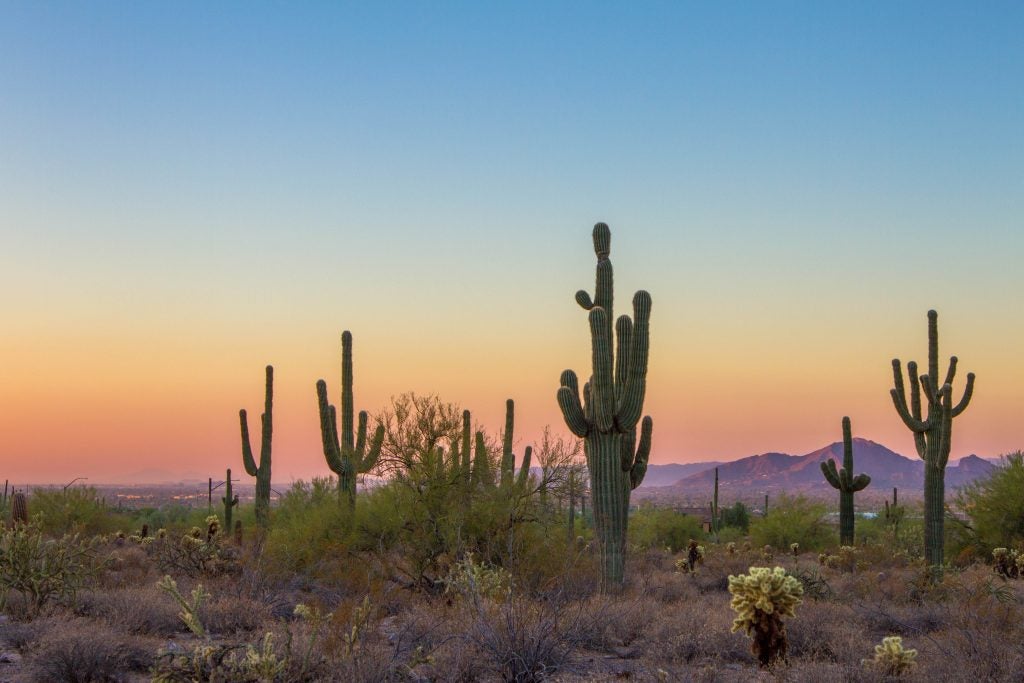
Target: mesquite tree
x,y
612,404
932,425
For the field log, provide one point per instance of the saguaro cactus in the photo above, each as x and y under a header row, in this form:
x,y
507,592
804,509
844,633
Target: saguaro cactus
x,y
612,404
262,471
716,521
932,425
229,501
348,457
847,484
509,481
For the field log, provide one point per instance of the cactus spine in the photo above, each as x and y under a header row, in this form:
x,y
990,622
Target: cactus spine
x,y
19,508
348,457
262,471
932,433
229,501
846,483
611,407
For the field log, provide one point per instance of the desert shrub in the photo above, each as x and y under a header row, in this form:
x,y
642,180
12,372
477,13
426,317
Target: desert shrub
x,y
145,610
77,510
653,527
83,651
311,527
201,551
523,641
995,506
40,569
736,516
793,520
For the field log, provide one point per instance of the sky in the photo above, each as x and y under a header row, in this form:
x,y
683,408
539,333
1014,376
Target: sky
x,y
189,192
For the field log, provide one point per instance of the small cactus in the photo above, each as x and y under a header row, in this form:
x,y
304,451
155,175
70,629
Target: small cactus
x,y
19,508
1007,563
760,599
768,553
794,548
230,500
891,659
730,548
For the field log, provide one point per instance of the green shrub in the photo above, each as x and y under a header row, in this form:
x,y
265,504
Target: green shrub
x,y
737,517
652,527
42,569
76,510
995,505
793,520
311,528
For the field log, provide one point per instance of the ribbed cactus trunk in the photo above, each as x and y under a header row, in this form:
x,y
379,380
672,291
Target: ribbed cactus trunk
x,y
716,522
19,508
846,483
262,470
229,501
611,408
346,453
932,434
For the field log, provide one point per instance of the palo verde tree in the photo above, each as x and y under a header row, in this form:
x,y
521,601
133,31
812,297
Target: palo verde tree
x,y
261,471
347,456
932,425
847,484
612,404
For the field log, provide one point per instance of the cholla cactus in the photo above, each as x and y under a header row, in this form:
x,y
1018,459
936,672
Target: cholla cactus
x,y
794,548
189,608
474,580
730,548
683,565
760,600
891,659
768,553
1007,563
212,527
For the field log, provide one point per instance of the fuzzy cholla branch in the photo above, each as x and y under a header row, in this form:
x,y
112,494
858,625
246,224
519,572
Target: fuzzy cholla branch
x,y
891,659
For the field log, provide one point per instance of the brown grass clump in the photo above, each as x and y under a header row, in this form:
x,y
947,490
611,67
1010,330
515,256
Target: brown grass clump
x,y
85,651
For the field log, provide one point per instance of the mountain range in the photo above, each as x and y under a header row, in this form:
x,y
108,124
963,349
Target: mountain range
x,y
779,472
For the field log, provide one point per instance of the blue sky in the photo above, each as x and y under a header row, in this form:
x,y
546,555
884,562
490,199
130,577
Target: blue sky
x,y
234,172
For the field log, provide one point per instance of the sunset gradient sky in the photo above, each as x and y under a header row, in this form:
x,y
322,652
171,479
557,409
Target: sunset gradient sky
x,y
191,191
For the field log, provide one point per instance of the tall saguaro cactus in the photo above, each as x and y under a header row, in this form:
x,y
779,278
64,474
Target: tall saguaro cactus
x,y
932,425
847,484
229,500
612,404
261,471
347,456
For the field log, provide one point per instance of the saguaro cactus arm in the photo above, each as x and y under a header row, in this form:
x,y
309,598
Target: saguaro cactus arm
x,y
247,460
643,452
572,409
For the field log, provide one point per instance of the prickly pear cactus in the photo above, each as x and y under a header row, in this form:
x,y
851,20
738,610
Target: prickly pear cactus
x,y
760,599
